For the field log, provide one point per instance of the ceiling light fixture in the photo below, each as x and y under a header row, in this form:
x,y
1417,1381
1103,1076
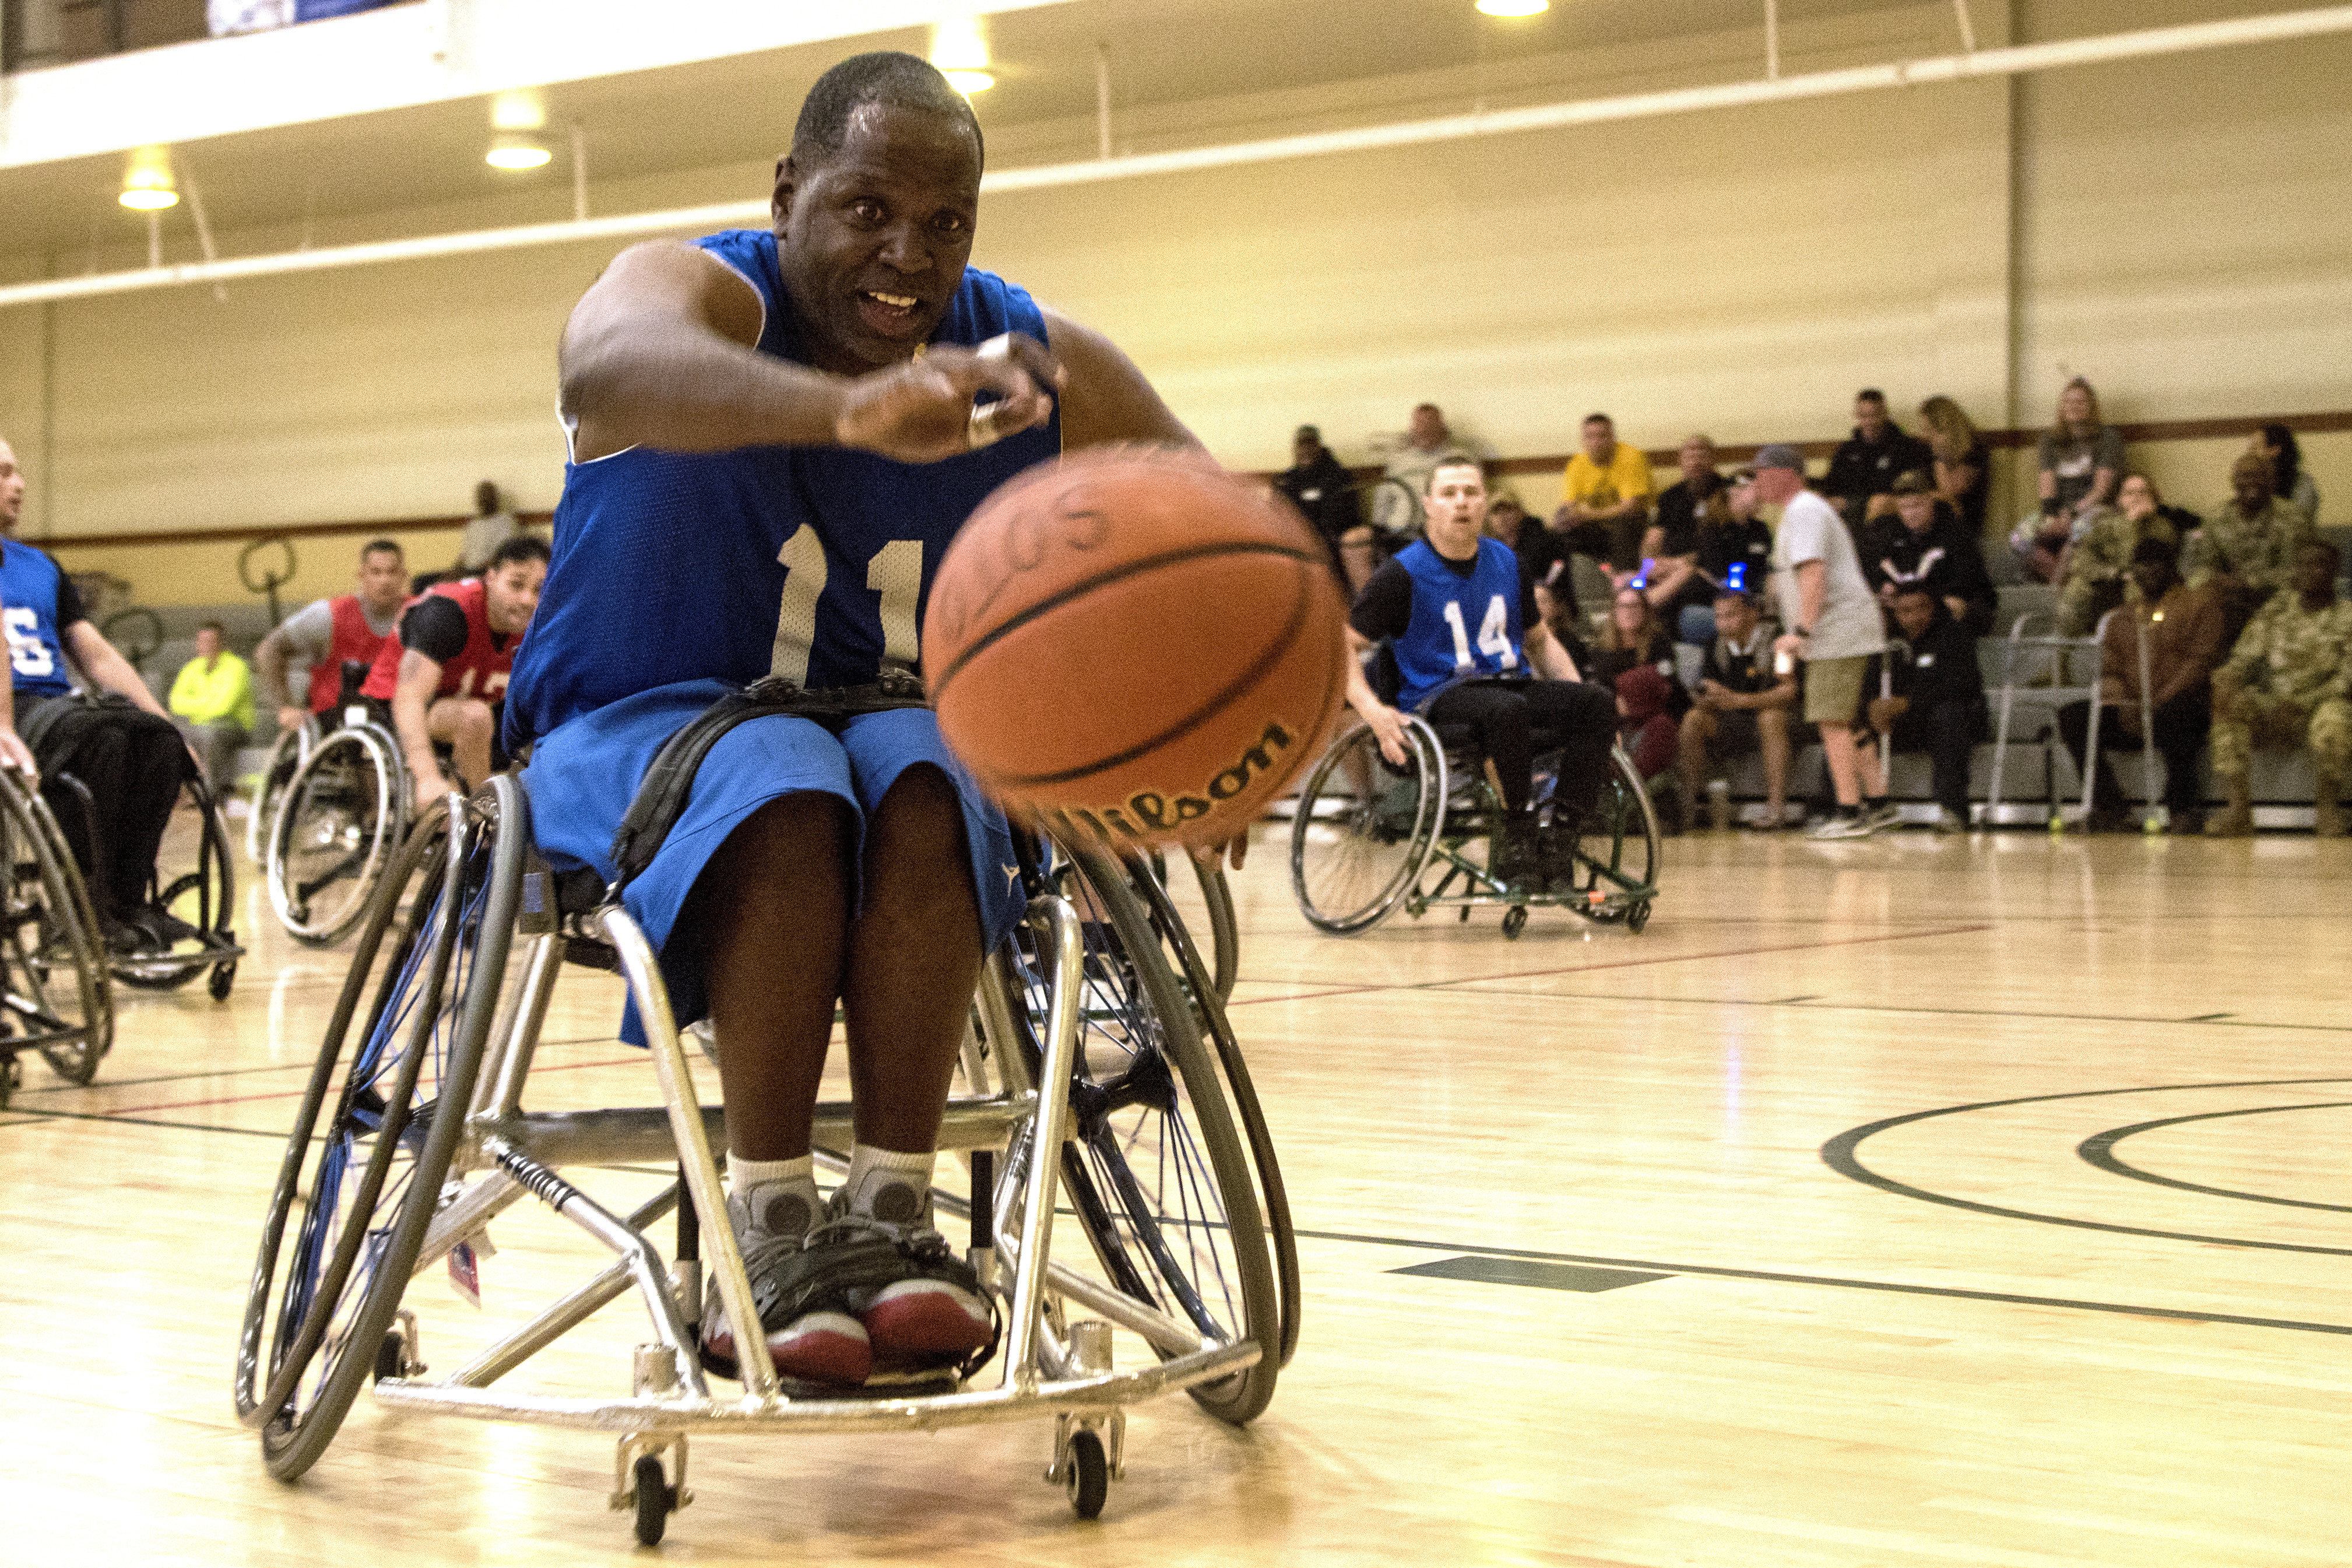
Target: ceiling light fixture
x,y
510,150
147,181
960,51
1514,7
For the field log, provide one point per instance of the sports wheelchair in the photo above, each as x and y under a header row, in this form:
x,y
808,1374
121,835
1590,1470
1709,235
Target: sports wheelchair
x,y
334,823
54,993
204,899
1364,833
1104,1101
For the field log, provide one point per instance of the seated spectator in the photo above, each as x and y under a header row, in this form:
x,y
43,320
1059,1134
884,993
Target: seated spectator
x,y
2183,628
1832,621
1323,491
2247,549
494,523
1741,706
2289,480
1636,659
1735,551
1409,459
2091,570
1924,544
211,698
1963,467
1669,549
1863,470
1543,567
1931,697
118,742
1609,489
2286,684
2082,461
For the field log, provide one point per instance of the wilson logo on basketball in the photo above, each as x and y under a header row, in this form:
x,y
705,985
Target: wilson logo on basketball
x,y
1154,815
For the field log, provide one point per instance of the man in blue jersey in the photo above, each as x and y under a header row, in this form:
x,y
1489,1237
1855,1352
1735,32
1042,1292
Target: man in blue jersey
x,y
774,436
1462,623
127,754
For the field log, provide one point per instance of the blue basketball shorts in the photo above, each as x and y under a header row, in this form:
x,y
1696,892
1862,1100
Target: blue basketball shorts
x,y
582,776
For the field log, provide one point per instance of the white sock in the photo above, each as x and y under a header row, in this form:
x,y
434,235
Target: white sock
x,y
772,1197
886,1185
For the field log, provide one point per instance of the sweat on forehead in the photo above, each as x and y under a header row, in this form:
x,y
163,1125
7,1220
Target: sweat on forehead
x,y
884,80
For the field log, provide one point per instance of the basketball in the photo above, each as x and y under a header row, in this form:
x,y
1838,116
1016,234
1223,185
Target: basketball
x,y
1134,638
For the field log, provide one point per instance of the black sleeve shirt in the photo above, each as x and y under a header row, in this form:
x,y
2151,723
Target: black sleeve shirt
x,y
435,627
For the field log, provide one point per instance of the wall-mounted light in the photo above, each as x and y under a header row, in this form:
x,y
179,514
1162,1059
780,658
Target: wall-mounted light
x,y
1514,7
515,118
147,181
960,51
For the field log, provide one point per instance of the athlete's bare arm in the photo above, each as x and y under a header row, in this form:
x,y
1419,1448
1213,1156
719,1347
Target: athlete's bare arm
x,y
660,353
1550,656
108,668
1106,397
412,696
269,661
13,752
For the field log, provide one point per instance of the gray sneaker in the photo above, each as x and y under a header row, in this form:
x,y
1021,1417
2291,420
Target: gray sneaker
x,y
1841,824
1886,813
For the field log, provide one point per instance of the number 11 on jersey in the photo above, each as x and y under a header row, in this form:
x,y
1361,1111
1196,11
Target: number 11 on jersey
x,y
895,574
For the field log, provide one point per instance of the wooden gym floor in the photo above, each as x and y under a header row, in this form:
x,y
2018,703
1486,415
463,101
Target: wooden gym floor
x,y
1912,1201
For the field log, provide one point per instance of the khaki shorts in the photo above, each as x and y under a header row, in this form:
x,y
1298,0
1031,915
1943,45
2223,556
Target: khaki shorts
x,y
1834,689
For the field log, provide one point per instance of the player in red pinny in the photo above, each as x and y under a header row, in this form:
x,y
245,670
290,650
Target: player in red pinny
x,y
325,635
445,676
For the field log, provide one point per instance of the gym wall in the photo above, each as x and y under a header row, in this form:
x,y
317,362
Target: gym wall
x,y
2175,229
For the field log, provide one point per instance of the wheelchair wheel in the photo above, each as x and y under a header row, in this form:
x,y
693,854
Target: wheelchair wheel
x,y
1617,848
378,1127
205,898
292,749
1158,1176
344,813
1363,831
55,995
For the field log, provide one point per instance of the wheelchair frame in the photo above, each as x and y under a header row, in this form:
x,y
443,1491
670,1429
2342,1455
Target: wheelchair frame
x,y
1466,805
469,1168
39,938
213,883
380,831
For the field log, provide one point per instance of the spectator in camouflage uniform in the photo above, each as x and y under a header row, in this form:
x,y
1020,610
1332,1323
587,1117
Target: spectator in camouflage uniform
x,y
2286,683
2091,577
2247,549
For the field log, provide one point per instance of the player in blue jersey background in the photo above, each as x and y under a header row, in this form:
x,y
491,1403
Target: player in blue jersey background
x,y
773,439
1470,650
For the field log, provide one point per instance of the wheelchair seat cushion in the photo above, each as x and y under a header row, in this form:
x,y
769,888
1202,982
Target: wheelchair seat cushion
x,y
584,774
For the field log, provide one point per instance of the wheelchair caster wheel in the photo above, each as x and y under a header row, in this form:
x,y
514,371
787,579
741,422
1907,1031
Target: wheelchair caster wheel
x,y
224,976
1637,914
12,1073
392,1356
1086,1473
1515,921
1463,919
656,1499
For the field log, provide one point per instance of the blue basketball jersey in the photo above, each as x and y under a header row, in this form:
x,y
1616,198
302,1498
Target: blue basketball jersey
x,y
28,600
813,562
1461,626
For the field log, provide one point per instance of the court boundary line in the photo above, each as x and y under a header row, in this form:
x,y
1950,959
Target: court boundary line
x,y
1839,1155
1622,963
1774,1276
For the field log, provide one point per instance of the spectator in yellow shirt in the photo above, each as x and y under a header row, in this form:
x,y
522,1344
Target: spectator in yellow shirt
x,y
212,701
1608,490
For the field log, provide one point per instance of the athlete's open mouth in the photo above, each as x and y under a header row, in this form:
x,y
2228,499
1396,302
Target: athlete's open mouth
x,y
892,315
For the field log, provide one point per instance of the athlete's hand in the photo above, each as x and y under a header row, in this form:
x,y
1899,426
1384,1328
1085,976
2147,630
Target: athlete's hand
x,y
1234,850
1387,726
430,786
15,753
291,717
922,412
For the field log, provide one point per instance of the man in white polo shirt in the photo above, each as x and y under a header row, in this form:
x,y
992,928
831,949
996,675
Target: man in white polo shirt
x,y
1834,625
